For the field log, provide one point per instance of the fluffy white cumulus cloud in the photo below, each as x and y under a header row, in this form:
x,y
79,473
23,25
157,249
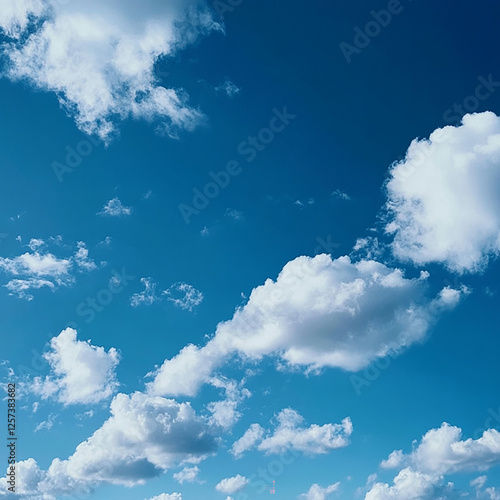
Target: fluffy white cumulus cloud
x,y
289,434
443,204
318,313
82,373
316,492
232,485
440,452
187,475
99,56
143,437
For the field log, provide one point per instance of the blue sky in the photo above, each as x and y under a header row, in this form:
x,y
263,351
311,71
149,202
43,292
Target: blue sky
x,y
245,242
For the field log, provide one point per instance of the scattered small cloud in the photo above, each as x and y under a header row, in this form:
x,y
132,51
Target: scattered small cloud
x,y
147,297
184,296
289,434
115,208
233,214
187,475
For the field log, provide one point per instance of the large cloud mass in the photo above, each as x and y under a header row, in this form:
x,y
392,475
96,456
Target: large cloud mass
x,y
443,204
143,437
99,57
318,313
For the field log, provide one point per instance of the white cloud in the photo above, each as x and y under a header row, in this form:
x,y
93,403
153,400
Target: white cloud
x,y
232,485
316,492
290,435
440,452
249,440
19,288
82,373
36,243
187,475
99,57
233,214
341,195
318,313
143,437
167,496
184,296
38,269
36,264
147,296
115,208
46,424
82,258
443,203
229,88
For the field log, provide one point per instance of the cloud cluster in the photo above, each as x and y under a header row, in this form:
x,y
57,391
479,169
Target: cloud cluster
x,y
290,435
442,199
143,437
41,268
440,452
82,373
99,57
318,313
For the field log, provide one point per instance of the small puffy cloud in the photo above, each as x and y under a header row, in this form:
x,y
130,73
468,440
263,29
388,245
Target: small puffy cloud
x,y
232,485
99,58
147,296
37,264
289,434
442,199
316,492
440,452
184,296
187,475
115,208
82,373
82,258
318,313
